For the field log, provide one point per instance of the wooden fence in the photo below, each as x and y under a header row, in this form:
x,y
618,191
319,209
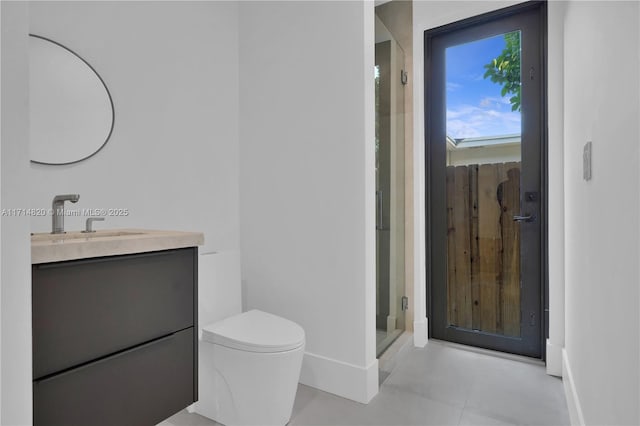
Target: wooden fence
x,y
483,253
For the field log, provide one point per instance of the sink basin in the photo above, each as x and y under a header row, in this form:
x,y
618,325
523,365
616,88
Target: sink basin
x,y
46,247
45,237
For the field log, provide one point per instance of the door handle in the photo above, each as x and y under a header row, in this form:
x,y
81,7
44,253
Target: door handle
x,y
528,218
379,225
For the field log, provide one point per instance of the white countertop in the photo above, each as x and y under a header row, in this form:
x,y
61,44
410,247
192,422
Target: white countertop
x,y
47,247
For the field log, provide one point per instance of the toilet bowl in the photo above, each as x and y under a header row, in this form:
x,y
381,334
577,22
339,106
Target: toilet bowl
x,y
249,369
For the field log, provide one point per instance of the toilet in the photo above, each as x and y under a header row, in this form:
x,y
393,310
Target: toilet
x,y
249,369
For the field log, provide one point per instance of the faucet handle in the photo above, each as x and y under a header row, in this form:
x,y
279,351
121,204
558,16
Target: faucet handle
x,y
89,223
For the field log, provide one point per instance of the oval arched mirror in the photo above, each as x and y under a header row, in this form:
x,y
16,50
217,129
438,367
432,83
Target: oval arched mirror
x,y
71,109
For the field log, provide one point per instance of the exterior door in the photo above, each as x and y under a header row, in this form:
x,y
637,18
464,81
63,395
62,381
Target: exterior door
x,y
484,143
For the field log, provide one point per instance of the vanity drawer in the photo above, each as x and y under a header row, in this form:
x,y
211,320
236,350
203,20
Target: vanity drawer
x,y
87,309
141,386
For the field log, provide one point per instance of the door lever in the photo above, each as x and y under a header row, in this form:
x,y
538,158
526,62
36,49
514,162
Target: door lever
x,y
528,218
379,225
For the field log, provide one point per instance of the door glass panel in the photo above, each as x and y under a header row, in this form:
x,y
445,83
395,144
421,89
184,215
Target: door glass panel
x,y
483,123
390,196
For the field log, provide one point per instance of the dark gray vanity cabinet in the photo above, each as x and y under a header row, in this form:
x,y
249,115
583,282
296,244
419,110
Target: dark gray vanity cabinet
x,y
115,338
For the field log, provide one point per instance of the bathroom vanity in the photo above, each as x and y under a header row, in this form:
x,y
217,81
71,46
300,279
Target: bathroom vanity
x,y
114,326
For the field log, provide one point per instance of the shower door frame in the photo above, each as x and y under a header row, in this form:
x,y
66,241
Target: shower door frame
x,y
390,196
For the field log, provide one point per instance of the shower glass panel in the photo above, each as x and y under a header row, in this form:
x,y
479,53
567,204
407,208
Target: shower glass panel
x,y
390,197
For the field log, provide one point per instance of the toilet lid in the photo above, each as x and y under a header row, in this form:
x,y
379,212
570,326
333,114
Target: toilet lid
x,y
255,331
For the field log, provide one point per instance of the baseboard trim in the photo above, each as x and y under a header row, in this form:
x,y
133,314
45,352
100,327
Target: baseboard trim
x,y
420,333
554,359
573,401
349,381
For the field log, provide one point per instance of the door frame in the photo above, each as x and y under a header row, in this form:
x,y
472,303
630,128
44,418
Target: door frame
x,y
428,105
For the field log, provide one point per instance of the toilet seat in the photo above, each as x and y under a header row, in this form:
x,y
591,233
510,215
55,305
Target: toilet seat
x,y
255,331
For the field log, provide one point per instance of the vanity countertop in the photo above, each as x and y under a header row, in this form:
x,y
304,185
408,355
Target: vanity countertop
x,y
47,247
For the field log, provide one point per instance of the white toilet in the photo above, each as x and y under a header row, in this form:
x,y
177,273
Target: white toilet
x,y
249,369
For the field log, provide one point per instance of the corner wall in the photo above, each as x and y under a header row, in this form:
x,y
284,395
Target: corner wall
x,y
15,264
601,61
307,181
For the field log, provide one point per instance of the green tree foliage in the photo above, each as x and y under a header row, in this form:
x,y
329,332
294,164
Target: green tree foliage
x,y
505,69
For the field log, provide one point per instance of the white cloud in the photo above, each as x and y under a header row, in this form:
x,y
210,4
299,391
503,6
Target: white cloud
x,y
451,86
456,128
488,119
490,101
461,111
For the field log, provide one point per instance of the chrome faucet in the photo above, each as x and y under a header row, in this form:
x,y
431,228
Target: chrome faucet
x,y
89,224
57,216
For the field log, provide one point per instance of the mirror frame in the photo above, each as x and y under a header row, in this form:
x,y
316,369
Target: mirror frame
x,y
113,111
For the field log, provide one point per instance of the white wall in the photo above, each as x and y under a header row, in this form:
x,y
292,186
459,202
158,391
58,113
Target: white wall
x,y
172,69
307,181
602,247
429,14
0,224
15,294
555,187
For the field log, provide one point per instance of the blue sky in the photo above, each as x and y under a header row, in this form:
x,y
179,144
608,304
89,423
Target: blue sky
x,y
474,104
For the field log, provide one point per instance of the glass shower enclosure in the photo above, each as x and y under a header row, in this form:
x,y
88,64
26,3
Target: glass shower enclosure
x,y
390,194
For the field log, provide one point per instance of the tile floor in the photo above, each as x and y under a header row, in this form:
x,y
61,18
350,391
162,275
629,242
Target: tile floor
x,y
437,385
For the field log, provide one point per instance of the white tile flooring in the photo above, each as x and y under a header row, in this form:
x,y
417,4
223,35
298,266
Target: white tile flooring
x,y
437,385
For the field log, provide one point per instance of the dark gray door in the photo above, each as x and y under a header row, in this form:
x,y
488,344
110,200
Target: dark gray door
x,y
484,143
